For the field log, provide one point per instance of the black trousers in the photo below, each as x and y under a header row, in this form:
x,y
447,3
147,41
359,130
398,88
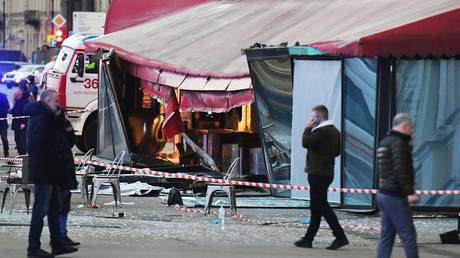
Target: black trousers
x,y
47,203
4,137
65,196
21,141
320,207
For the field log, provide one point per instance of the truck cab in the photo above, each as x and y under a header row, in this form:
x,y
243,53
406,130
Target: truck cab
x,y
74,76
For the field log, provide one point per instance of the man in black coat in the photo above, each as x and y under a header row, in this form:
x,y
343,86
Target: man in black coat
x,y
19,125
69,179
33,88
4,108
396,188
322,140
47,161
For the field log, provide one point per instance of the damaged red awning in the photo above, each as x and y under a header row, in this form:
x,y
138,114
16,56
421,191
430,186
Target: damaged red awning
x,y
221,101
199,93
193,101
173,123
438,36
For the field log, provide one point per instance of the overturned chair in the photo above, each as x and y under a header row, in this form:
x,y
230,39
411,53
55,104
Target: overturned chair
x,y
16,183
226,188
110,176
83,172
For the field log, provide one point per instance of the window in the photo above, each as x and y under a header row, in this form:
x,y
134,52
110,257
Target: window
x,y
429,91
26,68
63,59
77,64
359,128
91,64
38,70
273,90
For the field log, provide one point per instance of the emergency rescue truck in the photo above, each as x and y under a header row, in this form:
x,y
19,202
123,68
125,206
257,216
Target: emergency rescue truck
x,y
74,76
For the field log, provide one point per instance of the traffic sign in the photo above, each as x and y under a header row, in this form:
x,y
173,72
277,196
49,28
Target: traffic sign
x,y
86,23
59,20
49,39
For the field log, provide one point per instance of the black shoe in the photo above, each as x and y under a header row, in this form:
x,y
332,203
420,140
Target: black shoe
x,y
39,253
69,242
304,243
58,250
338,243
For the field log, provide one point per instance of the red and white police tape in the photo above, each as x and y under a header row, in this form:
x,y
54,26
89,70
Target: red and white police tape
x,y
67,112
11,160
149,172
238,217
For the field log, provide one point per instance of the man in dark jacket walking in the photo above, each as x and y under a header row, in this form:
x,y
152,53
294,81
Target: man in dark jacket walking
x,y
4,108
322,140
47,162
396,192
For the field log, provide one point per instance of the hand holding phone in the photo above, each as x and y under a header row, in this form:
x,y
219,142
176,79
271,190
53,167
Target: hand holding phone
x,y
314,120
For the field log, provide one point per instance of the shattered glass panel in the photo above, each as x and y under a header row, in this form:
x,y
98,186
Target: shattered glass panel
x,y
273,92
429,91
111,136
360,89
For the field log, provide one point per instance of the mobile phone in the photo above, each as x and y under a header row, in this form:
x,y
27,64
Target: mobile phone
x,y
316,118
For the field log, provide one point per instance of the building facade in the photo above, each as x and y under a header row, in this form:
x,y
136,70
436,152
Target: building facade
x,y
26,24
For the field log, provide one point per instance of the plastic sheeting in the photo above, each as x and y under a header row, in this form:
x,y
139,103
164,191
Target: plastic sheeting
x,y
130,189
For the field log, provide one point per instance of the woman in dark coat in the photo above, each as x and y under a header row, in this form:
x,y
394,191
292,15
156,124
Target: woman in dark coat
x,y
69,181
19,126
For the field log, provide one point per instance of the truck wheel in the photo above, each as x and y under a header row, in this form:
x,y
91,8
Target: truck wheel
x,y
79,144
89,137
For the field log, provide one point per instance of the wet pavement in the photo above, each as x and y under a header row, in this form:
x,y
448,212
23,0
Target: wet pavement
x,y
150,229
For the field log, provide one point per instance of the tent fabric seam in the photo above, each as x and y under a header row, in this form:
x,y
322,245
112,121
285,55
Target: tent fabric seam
x,y
130,57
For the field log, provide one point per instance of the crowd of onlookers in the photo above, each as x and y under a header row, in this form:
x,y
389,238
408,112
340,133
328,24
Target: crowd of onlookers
x,y
27,92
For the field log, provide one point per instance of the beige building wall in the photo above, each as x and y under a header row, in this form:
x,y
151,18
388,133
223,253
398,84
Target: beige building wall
x,y
30,38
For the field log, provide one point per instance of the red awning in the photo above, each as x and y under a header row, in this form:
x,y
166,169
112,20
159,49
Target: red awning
x,y
123,14
173,122
205,40
198,49
437,35
223,101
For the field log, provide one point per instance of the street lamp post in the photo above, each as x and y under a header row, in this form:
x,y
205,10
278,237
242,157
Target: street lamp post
x,y
52,16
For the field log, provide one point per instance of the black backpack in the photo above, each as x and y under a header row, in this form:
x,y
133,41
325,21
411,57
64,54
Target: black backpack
x,y
174,197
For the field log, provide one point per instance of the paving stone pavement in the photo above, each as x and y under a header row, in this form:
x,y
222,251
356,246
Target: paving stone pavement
x,y
151,229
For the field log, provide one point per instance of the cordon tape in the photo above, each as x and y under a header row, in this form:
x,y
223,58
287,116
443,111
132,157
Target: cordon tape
x,y
149,172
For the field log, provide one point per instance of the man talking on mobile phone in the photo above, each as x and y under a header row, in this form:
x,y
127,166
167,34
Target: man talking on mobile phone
x,y
322,140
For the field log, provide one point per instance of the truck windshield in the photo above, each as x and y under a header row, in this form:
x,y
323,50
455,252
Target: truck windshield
x,y
26,68
63,60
